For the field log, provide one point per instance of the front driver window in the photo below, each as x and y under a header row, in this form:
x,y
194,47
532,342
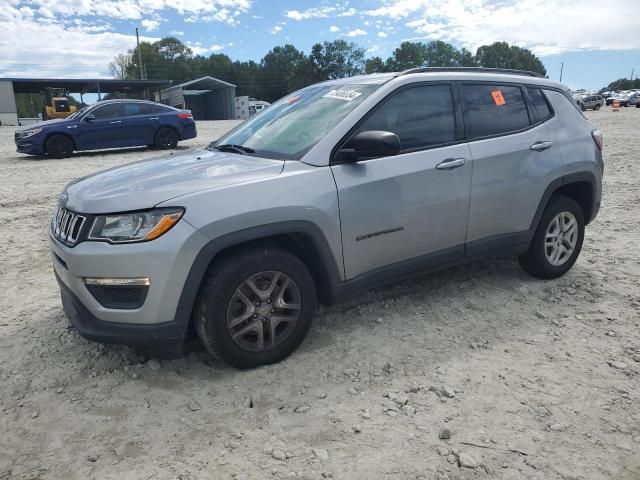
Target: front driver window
x,y
421,116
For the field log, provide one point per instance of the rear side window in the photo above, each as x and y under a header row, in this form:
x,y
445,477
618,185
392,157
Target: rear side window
x,y
540,103
493,109
131,109
421,116
162,109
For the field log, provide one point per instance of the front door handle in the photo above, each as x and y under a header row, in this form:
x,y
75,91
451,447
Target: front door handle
x,y
116,121
540,146
451,163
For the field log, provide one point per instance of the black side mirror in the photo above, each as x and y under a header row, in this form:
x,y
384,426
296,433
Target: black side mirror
x,y
372,144
90,117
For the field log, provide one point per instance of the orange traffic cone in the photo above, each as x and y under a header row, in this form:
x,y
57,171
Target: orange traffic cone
x,y
615,106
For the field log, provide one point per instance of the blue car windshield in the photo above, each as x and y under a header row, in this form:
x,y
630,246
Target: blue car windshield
x,y
289,128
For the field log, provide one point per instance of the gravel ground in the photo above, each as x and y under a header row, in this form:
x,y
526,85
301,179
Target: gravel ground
x,y
476,372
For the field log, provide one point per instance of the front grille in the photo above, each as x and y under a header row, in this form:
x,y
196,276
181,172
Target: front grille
x,y
66,226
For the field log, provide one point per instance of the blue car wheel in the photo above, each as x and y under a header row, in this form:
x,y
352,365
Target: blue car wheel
x,y
58,146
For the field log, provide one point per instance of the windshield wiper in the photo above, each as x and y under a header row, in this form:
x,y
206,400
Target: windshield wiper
x,y
229,147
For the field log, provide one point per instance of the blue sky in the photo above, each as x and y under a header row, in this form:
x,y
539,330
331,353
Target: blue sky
x,y
77,38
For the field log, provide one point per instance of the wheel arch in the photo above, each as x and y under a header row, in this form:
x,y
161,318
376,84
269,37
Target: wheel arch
x,y
580,186
166,125
64,134
302,238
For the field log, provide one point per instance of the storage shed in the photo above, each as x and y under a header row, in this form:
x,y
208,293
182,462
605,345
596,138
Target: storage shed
x,y
208,98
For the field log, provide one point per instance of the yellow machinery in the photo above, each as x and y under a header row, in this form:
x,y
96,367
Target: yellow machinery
x,y
56,103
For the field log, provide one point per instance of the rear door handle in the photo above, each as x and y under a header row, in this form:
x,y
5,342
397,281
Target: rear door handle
x,y
116,121
540,146
451,163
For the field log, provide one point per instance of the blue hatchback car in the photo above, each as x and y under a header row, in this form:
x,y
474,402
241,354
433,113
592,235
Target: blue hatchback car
x,y
108,124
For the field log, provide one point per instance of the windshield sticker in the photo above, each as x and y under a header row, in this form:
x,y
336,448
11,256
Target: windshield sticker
x,y
346,95
293,99
498,99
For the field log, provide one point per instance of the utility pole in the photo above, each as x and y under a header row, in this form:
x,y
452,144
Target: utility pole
x,y
561,69
632,70
139,55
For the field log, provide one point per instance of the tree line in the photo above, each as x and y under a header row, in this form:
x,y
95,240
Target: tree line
x,y
285,68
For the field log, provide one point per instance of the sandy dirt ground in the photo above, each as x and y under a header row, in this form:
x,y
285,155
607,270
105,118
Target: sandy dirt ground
x,y
530,379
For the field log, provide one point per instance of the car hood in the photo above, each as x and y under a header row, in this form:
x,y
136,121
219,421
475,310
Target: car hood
x,y
144,184
45,123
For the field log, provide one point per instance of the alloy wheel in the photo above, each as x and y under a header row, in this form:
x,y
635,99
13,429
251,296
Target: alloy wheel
x,y
561,238
263,311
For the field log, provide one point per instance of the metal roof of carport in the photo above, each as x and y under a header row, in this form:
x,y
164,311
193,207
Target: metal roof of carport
x,y
203,83
85,85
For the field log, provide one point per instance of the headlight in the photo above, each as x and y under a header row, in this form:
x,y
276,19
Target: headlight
x,y
135,226
30,133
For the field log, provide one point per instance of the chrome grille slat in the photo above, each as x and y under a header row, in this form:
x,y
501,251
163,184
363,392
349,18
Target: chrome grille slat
x,y
67,225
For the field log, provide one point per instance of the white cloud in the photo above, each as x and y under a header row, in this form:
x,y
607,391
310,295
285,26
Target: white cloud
x,y
176,33
216,48
275,29
382,35
356,33
544,27
334,29
150,25
316,12
45,12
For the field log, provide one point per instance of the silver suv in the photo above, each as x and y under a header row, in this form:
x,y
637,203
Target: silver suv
x,y
594,102
337,188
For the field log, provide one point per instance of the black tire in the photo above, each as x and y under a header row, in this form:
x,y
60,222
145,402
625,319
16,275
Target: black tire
x,y
166,138
637,104
534,261
217,298
582,107
597,106
58,146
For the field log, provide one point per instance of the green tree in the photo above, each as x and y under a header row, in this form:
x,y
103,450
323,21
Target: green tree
x,y
623,84
375,65
407,55
338,59
441,54
503,55
118,67
278,67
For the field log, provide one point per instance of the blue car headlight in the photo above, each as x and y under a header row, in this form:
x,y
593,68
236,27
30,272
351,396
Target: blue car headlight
x,y
30,133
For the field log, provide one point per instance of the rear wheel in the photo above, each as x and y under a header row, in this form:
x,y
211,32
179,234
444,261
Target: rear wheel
x,y
558,240
166,138
597,107
58,146
255,307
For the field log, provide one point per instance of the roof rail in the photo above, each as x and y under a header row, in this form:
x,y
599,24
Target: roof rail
x,y
508,71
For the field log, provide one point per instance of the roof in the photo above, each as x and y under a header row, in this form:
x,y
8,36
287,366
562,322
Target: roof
x,y
85,85
203,83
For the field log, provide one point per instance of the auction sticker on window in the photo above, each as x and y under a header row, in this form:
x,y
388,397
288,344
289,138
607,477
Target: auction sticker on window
x,y
498,99
346,95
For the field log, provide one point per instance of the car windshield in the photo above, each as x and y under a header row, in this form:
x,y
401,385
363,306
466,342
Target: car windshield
x,y
77,113
291,126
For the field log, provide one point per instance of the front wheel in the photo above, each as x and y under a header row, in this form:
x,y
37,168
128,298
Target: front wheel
x,y
255,307
597,107
58,146
558,240
166,138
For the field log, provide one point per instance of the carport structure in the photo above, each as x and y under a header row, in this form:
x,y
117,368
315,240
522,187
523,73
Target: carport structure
x,y
208,98
11,86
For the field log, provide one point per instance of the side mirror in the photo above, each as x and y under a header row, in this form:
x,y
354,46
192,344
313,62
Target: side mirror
x,y
90,117
372,144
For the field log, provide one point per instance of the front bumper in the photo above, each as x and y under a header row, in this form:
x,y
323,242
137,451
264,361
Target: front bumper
x,y
166,261
165,337
29,146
